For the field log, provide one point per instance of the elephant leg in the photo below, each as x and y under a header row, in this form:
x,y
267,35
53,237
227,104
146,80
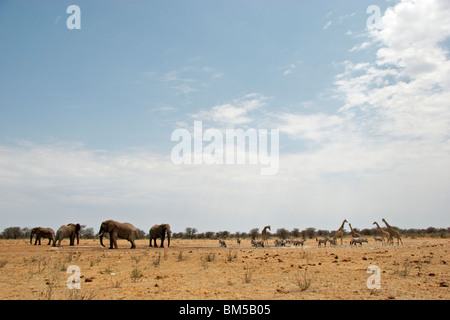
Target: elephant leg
x,y
113,241
162,241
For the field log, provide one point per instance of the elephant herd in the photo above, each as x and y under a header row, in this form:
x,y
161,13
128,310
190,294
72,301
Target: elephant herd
x,y
116,230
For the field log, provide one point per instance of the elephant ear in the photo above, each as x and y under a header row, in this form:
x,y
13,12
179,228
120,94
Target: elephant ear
x,y
77,228
110,226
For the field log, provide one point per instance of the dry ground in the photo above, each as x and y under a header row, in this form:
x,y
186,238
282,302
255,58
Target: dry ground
x,y
200,269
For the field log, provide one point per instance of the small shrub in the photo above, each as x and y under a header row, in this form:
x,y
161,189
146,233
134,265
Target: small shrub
x,y
136,274
302,279
108,269
231,255
157,260
115,284
404,271
248,274
181,257
3,263
210,257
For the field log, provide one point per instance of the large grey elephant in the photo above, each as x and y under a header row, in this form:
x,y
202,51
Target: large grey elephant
x,y
70,231
160,231
39,232
118,230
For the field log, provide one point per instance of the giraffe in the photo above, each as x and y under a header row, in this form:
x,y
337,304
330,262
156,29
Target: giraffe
x,y
354,233
339,233
264,235
393,233
383,234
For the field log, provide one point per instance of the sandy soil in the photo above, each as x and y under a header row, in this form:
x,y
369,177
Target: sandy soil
x,y
200,269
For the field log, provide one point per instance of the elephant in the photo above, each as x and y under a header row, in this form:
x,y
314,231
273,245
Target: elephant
x,y
68,231
47,233
160,231
118,230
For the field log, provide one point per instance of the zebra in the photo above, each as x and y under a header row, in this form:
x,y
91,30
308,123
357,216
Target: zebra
x,y
298,242
378,239
280,242
354,241
322,240
257,243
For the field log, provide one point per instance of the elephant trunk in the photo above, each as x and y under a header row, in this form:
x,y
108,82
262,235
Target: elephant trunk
x,y
101,238
56,238
31,237
168,239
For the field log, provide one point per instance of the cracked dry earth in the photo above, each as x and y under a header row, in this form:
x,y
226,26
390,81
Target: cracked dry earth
x,y
201,269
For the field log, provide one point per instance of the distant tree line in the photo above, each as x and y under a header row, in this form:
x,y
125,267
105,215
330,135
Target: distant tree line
x,y
282,233
308,233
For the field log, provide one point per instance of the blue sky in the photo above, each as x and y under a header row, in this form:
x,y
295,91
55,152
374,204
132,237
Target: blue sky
x,y
86,115
115,82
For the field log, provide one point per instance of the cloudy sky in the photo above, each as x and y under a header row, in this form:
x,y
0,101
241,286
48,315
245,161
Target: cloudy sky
x,y
361,105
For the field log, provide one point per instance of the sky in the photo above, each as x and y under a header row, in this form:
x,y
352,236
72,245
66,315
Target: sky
x,y
360,101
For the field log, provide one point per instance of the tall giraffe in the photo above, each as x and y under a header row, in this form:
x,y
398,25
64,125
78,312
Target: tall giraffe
x,y
264,235
383,234
354,233
393,233
339,233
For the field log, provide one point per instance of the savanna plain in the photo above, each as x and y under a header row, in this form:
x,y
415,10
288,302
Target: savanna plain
x,y
201,269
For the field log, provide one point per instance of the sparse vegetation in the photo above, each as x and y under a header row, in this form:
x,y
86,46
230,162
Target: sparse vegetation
x,y
181,257
302,279
210,257
419,269
404,269
157,260
248,273
136,273
115,283
231,255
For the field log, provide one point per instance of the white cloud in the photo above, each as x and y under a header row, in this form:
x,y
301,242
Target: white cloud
x,y
327,25
291,67
407,88
393,128
235,113
316,127
361,46
188,79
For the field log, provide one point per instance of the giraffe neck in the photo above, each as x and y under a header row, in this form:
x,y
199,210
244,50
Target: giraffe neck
x,y
388,226
342,225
